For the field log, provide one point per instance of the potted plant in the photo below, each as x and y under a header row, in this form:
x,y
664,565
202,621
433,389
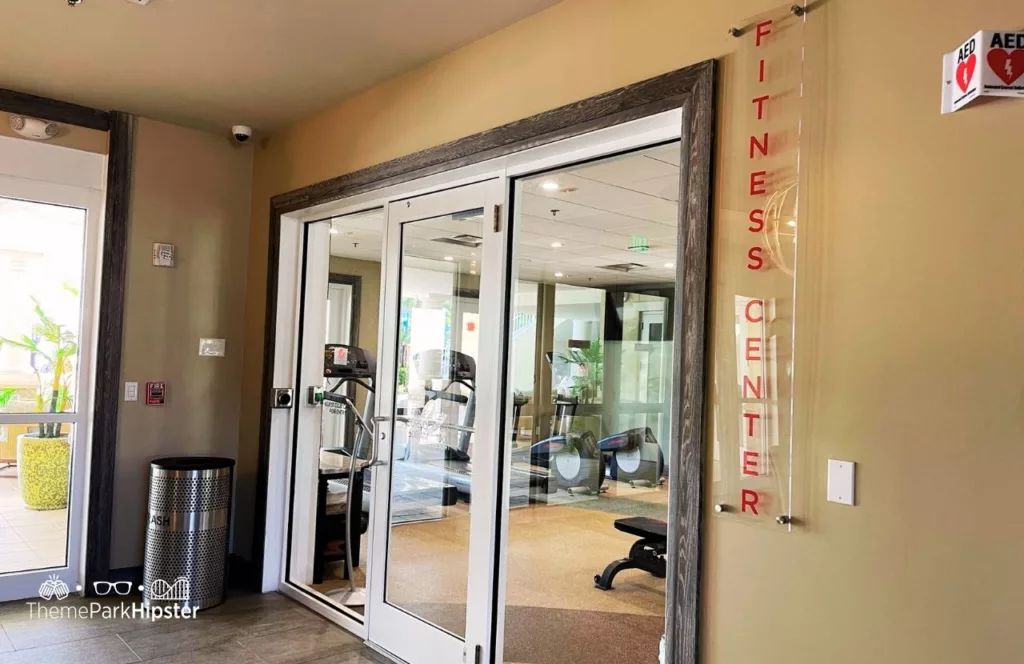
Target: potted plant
x,y
44,456
588,381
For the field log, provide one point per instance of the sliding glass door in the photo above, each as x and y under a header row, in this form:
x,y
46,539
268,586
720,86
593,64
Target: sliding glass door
x,y
487,479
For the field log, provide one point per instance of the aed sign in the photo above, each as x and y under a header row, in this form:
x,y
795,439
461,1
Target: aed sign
x,y
155,394
988,64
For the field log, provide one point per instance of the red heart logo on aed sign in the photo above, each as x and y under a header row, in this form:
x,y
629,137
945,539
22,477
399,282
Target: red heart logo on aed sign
x,y
1007,66
965,72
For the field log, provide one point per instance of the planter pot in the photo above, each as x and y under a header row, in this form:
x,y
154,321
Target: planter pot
x,y
44,471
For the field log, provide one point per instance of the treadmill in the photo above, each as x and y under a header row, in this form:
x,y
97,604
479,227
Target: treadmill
x,y
353,365
439,428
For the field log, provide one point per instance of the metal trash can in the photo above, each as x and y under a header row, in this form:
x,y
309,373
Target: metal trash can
x,y
187,532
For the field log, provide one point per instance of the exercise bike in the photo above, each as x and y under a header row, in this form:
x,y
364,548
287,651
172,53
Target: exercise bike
x,y
579,460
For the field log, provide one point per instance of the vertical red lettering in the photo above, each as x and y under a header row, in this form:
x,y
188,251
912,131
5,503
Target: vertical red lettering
x,y
756,258
753,349
755,388
756,217
751,418
764,28
760,105
749,498
757,184
749,316
750,462
761,147
760,72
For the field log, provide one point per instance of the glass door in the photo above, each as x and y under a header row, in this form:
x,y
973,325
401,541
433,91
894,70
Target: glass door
x,y
432,578
332,459
48,238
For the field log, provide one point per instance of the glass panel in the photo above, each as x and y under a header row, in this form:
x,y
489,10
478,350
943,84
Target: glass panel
x,y
35,471
41,252
590,371
351,309
435,408
753,303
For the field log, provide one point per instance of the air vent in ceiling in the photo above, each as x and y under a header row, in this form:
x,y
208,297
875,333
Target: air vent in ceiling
x,y
624,267
463,240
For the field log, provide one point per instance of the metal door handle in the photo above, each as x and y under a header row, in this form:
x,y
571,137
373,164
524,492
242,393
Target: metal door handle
x,y
375,459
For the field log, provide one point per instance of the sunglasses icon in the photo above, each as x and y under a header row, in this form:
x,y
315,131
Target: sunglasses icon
x,y
104,587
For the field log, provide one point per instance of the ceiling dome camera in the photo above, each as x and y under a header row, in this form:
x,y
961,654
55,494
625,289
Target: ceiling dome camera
x,y
241,133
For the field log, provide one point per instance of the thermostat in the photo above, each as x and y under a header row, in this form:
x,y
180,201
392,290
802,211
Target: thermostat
x,y
163,254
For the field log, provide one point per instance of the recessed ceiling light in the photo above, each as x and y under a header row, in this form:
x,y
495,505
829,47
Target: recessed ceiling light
x,y
559,274
472,271
556,245
449,258
670,265
791,223
550,186
334,231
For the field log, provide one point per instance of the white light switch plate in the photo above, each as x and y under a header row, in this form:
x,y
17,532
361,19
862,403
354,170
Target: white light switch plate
x,y
841,475
131,391
212,347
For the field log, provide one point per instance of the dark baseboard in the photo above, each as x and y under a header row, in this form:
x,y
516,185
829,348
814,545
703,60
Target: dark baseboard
x,y
243,574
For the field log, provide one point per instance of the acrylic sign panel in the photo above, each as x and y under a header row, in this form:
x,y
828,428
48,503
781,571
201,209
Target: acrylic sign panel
x,y
755,268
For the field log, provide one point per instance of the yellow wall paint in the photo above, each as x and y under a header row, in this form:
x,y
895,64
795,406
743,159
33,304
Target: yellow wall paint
x,y
909,319
191,189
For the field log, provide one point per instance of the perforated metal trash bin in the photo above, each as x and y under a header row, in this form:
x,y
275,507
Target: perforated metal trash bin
x,y
187,532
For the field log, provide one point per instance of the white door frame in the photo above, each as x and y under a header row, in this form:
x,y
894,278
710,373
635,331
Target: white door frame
x,y
624,137
393,629
61,176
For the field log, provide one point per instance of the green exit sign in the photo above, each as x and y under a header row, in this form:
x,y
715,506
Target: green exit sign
x,y
640,245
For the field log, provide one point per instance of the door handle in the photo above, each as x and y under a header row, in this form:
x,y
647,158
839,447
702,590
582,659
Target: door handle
x,y
375,459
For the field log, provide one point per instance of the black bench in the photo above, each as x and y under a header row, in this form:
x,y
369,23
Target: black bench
x,y
647,553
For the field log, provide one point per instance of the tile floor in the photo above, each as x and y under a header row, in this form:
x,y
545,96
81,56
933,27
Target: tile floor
x,y
29,539
247,629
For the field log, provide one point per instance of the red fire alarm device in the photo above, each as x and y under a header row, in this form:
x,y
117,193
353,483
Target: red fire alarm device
x,y
155,394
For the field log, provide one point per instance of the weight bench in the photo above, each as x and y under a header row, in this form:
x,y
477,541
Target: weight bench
x,y
647,553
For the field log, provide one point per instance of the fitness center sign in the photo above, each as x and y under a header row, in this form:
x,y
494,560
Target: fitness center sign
x,y
755,281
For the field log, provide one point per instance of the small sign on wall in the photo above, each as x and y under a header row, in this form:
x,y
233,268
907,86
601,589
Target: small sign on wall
x,y
988,64
156,393
163,254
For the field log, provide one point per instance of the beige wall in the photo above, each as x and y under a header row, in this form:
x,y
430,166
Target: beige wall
x,y
369,296
910,327
70,136
190,189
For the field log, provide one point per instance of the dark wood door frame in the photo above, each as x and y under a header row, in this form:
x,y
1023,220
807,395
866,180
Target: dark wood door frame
x,y
120,149
691,89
